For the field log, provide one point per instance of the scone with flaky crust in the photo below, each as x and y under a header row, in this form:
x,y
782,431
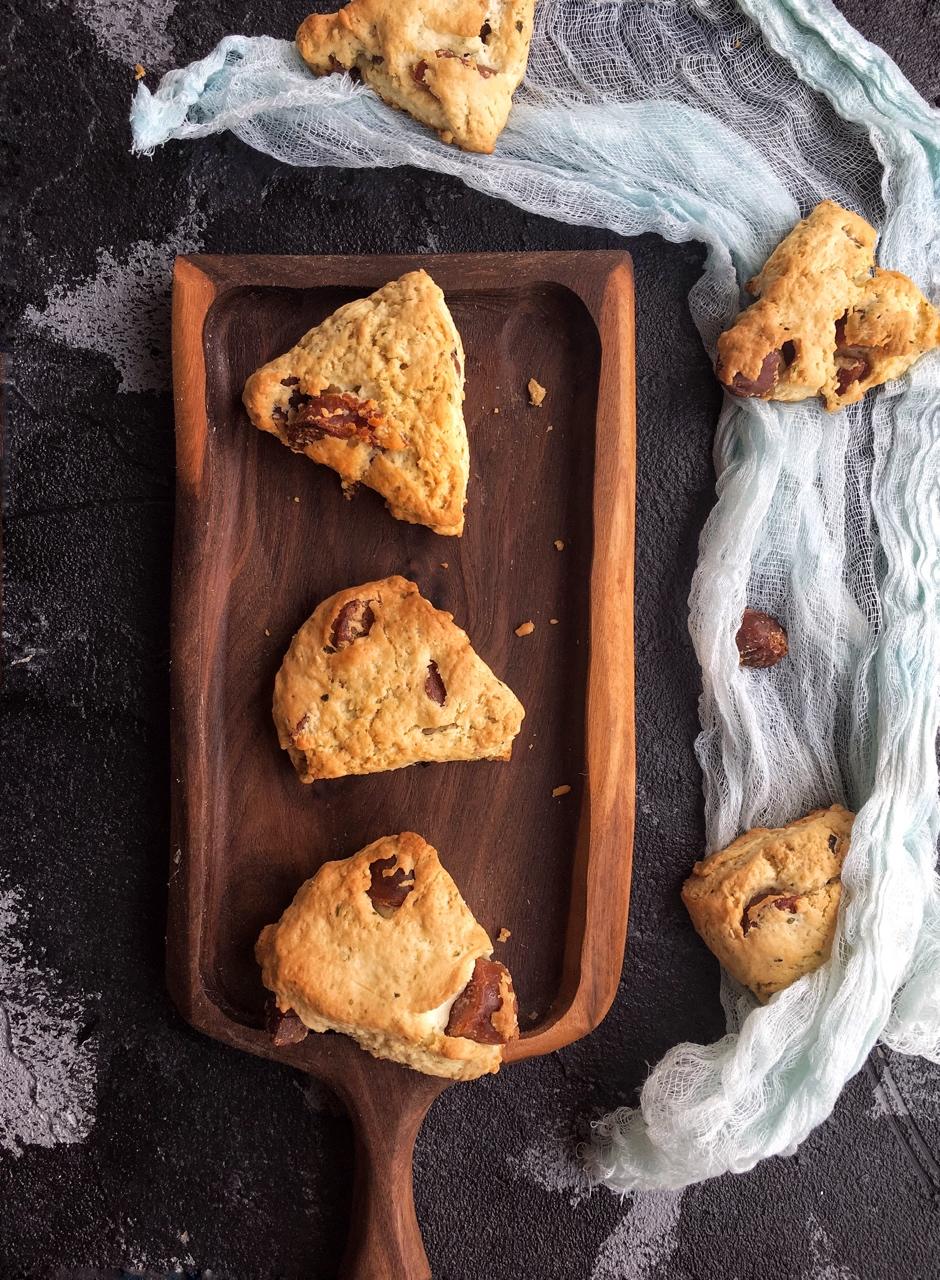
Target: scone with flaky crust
x,y
827,322
767,905
382,947
376,393
452,64
377,678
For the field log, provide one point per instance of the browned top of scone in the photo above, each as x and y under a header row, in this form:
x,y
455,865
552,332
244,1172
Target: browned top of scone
x,y
376,392
452,64
827,321
766,905
383,947
377,678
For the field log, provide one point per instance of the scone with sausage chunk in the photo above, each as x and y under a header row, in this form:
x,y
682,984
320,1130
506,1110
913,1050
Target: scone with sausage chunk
x,y
767,905
452,64
382,947
376,393
377,678
827,322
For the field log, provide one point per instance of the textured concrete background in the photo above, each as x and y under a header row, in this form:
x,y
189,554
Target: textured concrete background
x,y
200,1160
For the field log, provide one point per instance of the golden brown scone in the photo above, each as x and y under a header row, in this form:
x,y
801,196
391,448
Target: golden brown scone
x,y
452,64
827,321
376,393
382,947
377,678
767,905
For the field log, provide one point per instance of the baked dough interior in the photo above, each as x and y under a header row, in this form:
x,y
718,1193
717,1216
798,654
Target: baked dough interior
x,y
382,947
376,393
377,678
453,66
827,321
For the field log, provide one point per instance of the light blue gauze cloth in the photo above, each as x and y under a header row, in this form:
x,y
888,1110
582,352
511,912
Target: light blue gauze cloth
x,y
702,120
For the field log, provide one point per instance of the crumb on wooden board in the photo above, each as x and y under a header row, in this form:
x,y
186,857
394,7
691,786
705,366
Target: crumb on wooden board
x,y
560,791
537,393
525,628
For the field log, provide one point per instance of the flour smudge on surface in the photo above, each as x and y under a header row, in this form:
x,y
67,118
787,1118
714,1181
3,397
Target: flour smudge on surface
x,y
916,1088
552,1164
824,1265
47,1079
130,30
122,311
644,1240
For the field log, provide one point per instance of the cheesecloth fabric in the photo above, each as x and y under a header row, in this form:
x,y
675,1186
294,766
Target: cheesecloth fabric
x,y
702,120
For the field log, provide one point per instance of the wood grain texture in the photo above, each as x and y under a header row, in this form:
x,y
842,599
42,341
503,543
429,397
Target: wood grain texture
x,y
263,535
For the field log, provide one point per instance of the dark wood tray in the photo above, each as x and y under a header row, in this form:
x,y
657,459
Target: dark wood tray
x,y
263,535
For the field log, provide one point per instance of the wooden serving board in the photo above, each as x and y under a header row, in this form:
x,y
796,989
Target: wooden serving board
x,y
263,535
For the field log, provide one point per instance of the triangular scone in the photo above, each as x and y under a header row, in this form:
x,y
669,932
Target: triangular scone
x,y
827,321
377,678
452,65
376,393
767,905
383,948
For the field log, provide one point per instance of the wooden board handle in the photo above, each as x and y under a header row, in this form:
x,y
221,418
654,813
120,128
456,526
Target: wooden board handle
x,y
384,1237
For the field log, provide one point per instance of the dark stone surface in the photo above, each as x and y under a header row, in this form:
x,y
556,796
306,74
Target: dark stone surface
x,y
201,1160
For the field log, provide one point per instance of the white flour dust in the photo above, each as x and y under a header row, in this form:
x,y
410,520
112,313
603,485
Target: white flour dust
x,y
122,311
824,1266
643,1240
173,1268
552,1164
47,1079
130,30
917,1089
